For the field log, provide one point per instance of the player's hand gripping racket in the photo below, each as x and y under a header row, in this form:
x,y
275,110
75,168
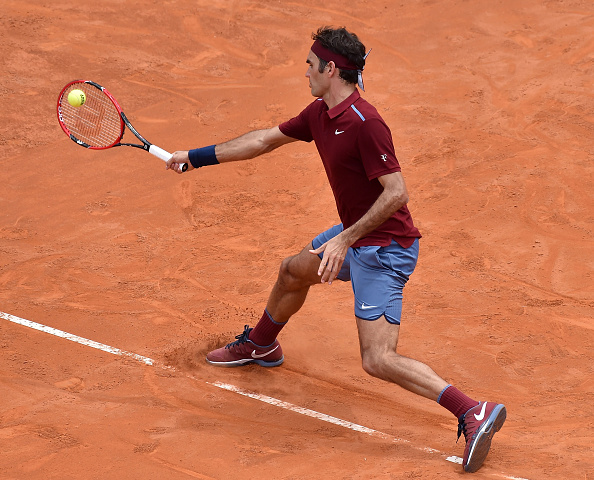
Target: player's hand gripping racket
x,y
99,122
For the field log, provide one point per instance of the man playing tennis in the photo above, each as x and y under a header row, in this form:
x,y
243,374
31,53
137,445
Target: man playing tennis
x,y
375,247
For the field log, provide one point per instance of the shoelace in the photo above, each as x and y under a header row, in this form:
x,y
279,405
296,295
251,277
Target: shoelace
x,y
461,428
241,338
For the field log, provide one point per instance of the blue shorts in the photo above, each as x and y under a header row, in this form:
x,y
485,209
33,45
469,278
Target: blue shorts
x,y
377,274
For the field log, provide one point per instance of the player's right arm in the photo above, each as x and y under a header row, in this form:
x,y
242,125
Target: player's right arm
x,y
251,145
247,146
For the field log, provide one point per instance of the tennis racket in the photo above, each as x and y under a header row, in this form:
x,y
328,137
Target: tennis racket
x,y
99,123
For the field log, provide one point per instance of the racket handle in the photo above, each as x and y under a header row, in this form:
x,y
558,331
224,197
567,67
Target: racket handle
x,y
164,155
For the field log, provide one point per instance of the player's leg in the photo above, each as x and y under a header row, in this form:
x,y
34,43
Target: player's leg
x,y
259,344
478,421
296,275
378,341
379,276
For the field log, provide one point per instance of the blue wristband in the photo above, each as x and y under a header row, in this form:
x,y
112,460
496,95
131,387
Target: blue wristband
x,y
200,157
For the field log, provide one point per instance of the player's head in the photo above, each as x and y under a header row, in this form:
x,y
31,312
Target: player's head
x,y
343,48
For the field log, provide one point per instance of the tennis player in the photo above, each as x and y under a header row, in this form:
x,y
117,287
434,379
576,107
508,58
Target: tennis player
x,y
375,247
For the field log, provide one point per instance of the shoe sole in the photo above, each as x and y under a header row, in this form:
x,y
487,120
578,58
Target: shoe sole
x,y
247,361
482,442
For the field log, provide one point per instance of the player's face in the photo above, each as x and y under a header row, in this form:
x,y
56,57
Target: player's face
x,y
318,82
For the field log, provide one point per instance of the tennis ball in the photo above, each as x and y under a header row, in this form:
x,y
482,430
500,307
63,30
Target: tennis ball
x,y
76,98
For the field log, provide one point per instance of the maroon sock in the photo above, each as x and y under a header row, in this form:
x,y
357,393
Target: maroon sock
x,y
455,401
266,330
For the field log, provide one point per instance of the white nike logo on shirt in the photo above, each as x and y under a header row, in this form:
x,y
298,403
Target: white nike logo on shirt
x,y
336,132
255,355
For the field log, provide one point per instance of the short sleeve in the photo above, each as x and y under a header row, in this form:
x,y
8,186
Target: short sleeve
x,y
299,127
376,148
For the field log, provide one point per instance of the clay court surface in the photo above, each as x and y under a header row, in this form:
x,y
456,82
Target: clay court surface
x,y
491,106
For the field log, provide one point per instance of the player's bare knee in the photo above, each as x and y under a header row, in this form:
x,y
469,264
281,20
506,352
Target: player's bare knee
x,y
377,362
371,363
288,276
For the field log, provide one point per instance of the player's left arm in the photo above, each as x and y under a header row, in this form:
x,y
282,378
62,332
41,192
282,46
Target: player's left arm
x,y
393,197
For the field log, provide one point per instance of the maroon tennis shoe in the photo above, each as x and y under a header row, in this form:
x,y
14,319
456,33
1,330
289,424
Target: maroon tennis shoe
x,y
243,352
479,424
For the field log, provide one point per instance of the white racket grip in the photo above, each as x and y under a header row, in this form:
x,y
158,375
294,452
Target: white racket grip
x,y
164,155
159,152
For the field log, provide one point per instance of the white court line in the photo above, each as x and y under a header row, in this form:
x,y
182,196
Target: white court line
x,y
256,396
320,416
75,338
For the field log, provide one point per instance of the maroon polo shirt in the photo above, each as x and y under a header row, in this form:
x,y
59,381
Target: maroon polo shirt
x,y
356,148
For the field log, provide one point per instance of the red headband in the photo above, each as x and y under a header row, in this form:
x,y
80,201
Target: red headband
x,y
341,62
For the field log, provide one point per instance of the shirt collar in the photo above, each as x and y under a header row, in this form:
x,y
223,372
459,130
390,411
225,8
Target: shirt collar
x,y
342,106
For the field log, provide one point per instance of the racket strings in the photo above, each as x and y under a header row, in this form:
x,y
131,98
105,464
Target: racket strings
x,y
96,123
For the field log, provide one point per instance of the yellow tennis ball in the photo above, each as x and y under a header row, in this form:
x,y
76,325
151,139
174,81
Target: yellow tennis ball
x,y
76,98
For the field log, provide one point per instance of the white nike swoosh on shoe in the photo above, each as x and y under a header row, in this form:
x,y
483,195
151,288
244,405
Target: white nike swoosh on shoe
x,y
336,132
481,415
367,307
255,355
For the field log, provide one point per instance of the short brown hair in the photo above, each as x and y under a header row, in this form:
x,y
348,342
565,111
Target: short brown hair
x,y
345,43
